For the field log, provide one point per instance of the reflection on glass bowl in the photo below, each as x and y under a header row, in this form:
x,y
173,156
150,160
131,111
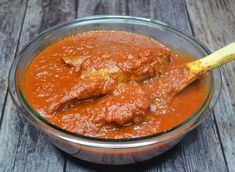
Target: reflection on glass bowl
x,y
112,151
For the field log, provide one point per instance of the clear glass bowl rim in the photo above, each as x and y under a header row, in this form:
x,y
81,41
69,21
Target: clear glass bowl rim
x,y
57,132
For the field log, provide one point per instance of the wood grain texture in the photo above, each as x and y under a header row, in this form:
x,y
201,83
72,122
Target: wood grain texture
x,y
100,7
24,148
11,17
195,152
214,24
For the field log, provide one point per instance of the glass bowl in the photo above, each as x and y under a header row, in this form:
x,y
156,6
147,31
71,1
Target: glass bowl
x,y
111,151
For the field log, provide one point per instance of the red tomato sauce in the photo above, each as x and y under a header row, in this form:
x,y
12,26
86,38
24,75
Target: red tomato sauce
x,y
103,84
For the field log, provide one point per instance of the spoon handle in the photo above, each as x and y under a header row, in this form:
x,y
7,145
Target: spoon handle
x,y
216,59
201,66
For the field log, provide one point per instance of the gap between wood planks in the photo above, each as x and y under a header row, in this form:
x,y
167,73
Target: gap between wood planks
x,y
213,114
14,55
217,29
21,142
144,12
130,11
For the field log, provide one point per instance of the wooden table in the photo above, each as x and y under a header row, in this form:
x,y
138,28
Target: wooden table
x,y
210,147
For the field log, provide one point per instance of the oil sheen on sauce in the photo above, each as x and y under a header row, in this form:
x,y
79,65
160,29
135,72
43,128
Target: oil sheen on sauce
x,y
48,79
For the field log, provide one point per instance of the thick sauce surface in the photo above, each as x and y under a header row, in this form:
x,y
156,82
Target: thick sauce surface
x,y
103,84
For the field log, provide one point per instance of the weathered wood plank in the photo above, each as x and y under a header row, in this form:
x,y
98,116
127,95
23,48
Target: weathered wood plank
x,y
214,24
43,14
11,17
100,7
200,150
23,148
